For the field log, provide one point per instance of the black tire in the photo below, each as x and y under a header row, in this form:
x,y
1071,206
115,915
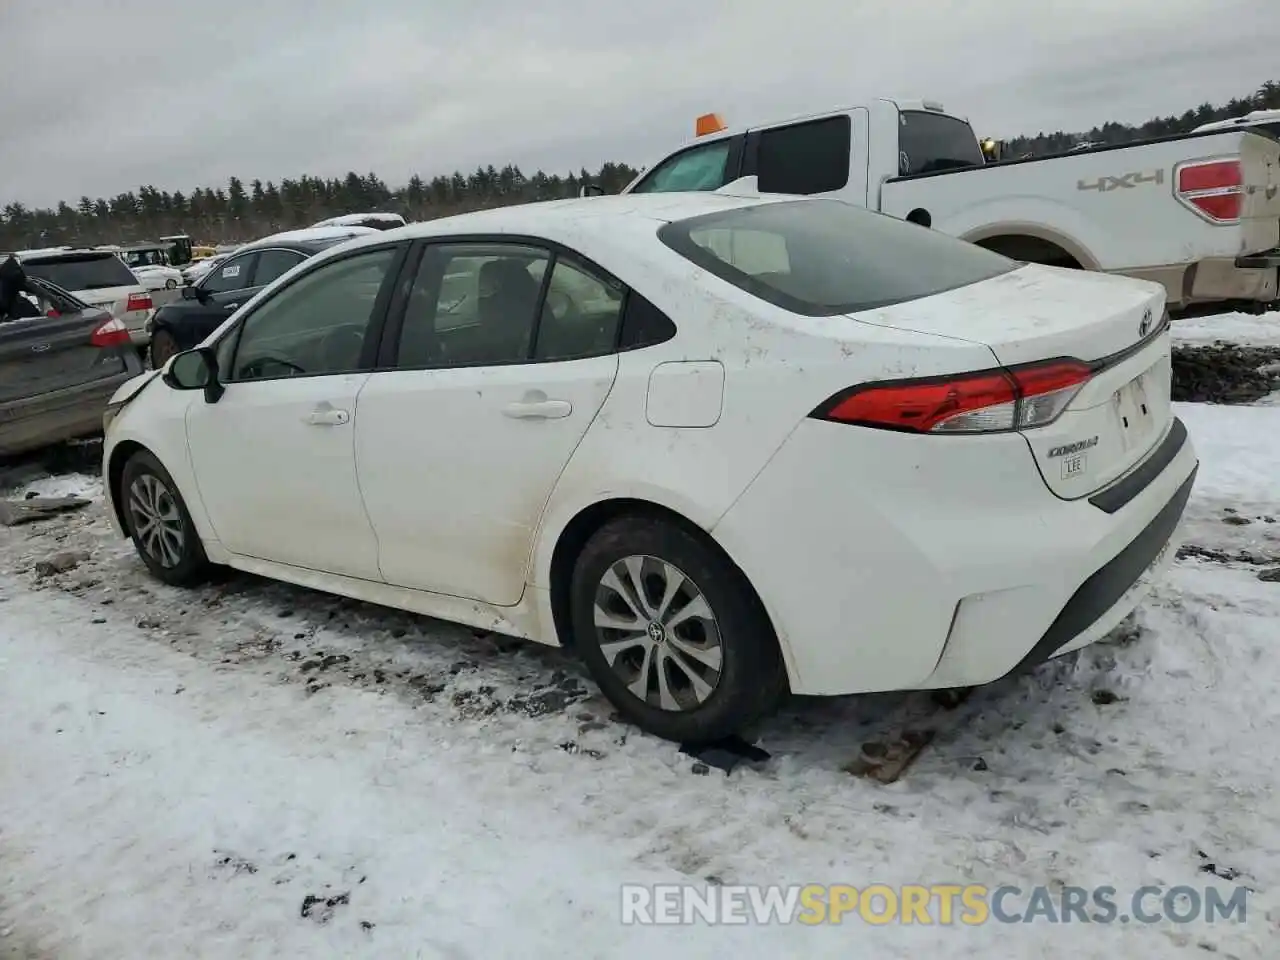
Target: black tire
x,y
171,284
180,560
751,678
163,346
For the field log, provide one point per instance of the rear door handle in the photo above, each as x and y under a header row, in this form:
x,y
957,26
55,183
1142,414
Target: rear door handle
x,y
538,409
231,306
327,416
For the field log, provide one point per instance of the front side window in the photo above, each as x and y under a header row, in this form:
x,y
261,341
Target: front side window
x,y
315,325
697,169
472,304
232,275
825,257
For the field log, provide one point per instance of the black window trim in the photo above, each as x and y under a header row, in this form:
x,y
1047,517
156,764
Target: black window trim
x,y
373,333
394,327
732,163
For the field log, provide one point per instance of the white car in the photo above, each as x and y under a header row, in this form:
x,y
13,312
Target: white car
x,y
99,278
196,269
720,447
158,276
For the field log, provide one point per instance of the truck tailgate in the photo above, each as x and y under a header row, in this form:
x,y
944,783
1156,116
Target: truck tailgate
x,y
1261,163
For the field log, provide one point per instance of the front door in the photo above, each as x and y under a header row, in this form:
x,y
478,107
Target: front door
x,y
459,447
274,456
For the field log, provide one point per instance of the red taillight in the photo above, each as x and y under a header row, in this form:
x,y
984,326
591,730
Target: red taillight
x,y
51,313
138,301
1212,188
113,333
987,402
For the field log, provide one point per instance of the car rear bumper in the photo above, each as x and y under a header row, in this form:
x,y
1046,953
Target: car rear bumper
x,y
49,418
883,568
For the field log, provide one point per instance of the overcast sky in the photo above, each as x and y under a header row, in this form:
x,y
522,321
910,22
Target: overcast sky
x,y
100,96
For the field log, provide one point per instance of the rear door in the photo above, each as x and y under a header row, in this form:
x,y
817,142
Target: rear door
x,y
486,387
47,354
822,156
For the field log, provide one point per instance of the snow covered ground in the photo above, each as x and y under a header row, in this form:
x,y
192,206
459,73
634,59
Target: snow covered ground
x,y
1243,329
254,770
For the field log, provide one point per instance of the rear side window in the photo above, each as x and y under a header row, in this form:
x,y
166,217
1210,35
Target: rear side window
x,y
928,142
805,158
695,169
273,264
90,271
824,257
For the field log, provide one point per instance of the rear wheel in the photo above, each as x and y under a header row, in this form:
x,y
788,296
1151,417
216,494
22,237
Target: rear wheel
x,y
159,524
171,284
672,632
163,346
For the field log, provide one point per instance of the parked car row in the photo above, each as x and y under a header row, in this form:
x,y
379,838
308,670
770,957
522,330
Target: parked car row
x,y
630,426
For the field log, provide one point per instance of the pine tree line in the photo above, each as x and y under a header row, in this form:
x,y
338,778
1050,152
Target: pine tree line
x,y
239,213
1267,97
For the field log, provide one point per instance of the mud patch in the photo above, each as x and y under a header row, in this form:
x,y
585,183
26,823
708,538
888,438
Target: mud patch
x,y
1225,373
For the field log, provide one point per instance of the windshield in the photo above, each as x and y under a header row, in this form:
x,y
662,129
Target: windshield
x,y
89,271
928,142
825,257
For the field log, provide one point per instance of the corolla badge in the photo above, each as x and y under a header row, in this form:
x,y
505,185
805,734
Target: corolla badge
x,y
40,348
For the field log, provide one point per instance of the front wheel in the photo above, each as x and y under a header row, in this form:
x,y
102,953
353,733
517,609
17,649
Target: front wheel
x,y
159,524
673,633
171,284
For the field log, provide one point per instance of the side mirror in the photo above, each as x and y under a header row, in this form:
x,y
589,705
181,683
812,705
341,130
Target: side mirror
x,y
195,370
191,293
591,190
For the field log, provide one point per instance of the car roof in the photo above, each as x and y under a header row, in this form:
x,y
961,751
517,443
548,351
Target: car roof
x,y
580,223
56,253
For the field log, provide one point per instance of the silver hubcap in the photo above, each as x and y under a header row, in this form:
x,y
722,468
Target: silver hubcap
x,y
157,520
658,633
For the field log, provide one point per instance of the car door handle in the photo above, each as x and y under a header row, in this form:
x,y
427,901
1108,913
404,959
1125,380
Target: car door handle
x,y
328,417
231,306
538,409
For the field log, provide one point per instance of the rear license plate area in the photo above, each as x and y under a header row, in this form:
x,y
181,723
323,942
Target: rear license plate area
x,y
1132,405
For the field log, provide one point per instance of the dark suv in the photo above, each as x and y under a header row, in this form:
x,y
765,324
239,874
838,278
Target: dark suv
x,y
184,323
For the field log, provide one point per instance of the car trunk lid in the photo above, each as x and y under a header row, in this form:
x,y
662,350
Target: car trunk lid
x,y
1037,314
45,354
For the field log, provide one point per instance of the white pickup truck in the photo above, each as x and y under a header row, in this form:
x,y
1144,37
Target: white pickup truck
x,y
1198,213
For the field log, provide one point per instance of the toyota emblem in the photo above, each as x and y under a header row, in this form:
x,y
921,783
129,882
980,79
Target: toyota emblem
x,y
1145,326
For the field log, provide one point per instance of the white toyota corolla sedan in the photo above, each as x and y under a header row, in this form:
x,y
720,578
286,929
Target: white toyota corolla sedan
x,y
721,447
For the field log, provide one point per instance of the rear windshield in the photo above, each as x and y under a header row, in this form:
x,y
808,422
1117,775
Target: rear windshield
x,y
825,257
928,142
90,271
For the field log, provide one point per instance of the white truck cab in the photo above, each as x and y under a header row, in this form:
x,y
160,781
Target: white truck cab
x,y
1198,213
